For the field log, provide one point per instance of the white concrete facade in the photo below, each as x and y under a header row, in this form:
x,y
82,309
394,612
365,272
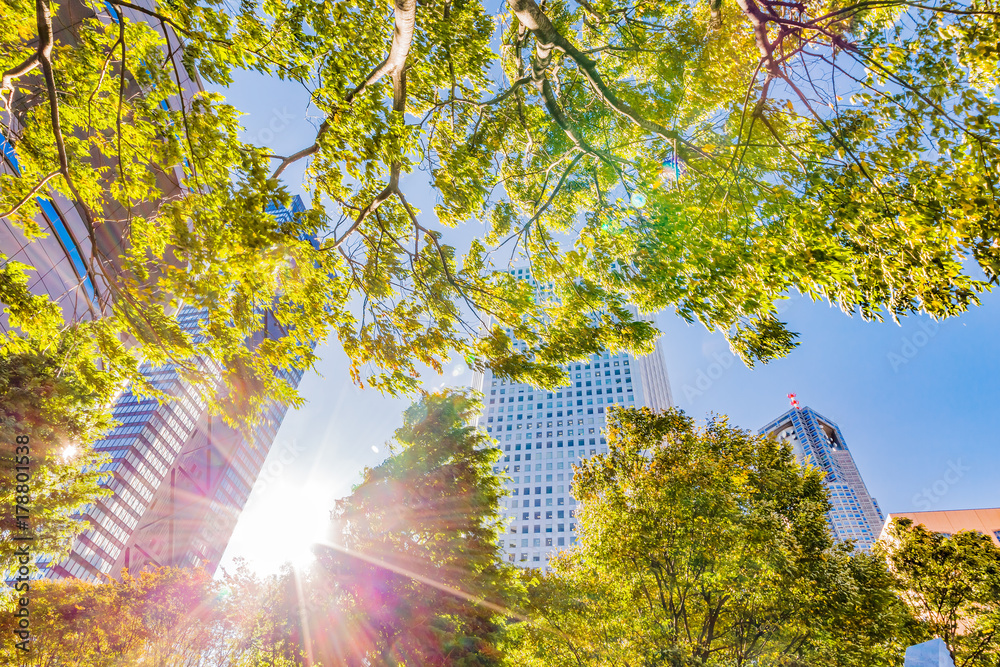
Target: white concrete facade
x,y
541,434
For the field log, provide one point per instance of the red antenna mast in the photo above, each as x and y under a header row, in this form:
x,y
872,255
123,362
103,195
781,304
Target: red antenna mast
x,y
793,401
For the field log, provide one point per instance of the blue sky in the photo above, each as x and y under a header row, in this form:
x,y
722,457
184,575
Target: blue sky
x,y
914,400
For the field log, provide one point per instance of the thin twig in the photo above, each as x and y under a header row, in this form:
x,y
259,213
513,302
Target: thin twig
x,y
30,194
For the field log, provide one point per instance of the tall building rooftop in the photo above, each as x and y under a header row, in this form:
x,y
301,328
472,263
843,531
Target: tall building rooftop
x,y
949,522
818,441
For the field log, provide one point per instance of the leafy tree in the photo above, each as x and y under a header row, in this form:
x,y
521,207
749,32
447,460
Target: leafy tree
x,y
701,156
163,617
140,620
706,547
53,405
414,556
952,584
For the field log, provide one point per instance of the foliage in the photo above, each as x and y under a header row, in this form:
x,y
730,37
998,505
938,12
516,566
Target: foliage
x,y
414,554
161,618
56,403
412,576
703,156
706,547
952,584
139,620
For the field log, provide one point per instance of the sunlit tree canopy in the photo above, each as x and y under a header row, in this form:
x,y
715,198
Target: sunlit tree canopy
x,y
705,157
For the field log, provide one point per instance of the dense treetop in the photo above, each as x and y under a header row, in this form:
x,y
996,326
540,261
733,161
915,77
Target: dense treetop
x,y
952,584
704,547
706,157
698,547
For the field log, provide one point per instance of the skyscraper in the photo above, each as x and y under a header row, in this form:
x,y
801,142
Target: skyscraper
x,y
179,476
816,440
541,434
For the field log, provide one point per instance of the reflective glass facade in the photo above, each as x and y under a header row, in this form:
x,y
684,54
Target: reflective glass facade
x,y
179,476
854,515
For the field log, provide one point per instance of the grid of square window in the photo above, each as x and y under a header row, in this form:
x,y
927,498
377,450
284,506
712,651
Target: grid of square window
x,y
541,435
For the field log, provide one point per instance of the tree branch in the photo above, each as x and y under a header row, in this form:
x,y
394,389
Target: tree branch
x,y
31,193
547,37
172,23
394,66
388,191
7,83
43,20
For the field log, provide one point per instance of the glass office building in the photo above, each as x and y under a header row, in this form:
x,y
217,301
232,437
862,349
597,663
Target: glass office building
x,y
179,477
816,440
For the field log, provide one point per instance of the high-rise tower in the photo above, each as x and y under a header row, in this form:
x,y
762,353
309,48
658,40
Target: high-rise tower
x,y
816,440
541,434
179,476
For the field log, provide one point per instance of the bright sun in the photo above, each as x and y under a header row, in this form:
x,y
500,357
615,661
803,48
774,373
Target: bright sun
x,y
280,526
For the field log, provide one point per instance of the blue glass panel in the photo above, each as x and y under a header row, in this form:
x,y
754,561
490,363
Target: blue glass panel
x,y
62,232
112,11
10,154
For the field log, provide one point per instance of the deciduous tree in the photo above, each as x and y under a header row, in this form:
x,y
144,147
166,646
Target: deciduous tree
x,y
53,405
149,619
706,547
414,556
707,157
952,584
